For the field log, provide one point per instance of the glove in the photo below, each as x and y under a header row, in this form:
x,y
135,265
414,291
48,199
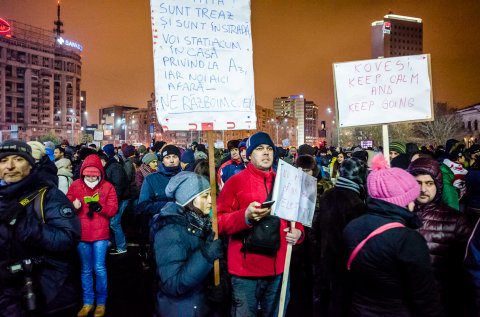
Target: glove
x,y
213,249
94,207
217,294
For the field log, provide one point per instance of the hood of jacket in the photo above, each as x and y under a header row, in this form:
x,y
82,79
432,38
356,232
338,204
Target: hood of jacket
x,y
93,161
427,166
394,212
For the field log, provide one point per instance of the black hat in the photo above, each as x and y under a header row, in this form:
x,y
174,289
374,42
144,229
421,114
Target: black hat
x,y
170,149
354,169
15,147
306,149
233,144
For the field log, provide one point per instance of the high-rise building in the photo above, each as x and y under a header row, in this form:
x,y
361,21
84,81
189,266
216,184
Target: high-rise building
x,y
310,122
137,126
397,35
40,76
304,112
113,123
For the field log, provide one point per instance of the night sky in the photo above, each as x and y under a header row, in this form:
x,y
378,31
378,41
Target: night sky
x,y
295,43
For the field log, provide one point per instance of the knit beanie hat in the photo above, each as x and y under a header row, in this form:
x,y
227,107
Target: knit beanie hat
x,y
398,147
158,146
15,147
456,151
91,171
38,150
188,157
186,186
306,149
109,149
142,149
128,151
233,144
243,144
199,155
258,139
169,150
354,169
392,185
148,158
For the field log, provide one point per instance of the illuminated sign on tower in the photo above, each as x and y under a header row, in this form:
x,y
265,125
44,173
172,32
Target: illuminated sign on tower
x,y
4,26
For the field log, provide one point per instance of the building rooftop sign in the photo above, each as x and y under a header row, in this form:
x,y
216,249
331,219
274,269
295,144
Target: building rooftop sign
x,y
4,26
69,43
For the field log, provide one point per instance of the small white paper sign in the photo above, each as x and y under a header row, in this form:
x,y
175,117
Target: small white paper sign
x,y
295,194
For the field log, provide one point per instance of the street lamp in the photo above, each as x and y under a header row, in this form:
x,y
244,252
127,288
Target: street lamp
x,y
73,126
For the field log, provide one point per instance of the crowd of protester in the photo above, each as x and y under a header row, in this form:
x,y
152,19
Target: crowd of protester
x,y
394,236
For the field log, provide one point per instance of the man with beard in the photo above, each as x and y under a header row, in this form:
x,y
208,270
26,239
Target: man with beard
x,y
38,236
446,231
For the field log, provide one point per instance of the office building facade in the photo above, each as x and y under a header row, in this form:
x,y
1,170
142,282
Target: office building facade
x,y
397,35
40,80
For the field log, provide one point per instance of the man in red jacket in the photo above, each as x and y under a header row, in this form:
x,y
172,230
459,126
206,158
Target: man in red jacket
x,y
256,278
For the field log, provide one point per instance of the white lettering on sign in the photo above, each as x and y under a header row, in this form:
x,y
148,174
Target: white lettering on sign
x,y
203,64
381,91
69,43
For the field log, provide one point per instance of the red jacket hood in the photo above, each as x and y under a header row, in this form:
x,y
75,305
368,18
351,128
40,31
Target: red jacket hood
x,y
93,161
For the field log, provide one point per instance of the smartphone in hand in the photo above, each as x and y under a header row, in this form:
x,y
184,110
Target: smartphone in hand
x,y
267,204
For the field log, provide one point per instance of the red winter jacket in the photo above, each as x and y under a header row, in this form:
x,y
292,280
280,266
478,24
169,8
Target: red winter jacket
x,y
96,228
242,189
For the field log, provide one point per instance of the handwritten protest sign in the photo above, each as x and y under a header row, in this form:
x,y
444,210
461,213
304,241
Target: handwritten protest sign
x,y
295,194
203,64
381,91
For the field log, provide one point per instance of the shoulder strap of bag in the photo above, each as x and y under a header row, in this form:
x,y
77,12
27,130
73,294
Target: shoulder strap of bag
x,y
37,198
377,231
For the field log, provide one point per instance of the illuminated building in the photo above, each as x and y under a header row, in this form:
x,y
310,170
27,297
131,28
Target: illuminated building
x,y
304,112
397,35
113,124
40,76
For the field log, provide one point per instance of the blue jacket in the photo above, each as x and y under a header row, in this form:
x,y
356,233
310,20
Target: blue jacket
x,y
182,270
54,239
152,195
472,181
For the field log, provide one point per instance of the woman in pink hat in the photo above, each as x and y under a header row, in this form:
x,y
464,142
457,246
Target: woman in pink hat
x,y
388,260
96,202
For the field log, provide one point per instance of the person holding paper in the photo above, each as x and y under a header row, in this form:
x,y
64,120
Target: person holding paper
x,y
256,277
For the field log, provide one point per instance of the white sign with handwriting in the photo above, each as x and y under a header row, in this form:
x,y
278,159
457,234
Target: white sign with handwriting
x,y
295,194
203,61
384,90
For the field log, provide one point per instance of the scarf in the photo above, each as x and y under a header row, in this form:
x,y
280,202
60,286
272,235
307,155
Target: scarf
x,y
145,170
204,222
343,182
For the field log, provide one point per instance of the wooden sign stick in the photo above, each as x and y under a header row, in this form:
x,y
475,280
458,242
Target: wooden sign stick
x,y
213,190
286,272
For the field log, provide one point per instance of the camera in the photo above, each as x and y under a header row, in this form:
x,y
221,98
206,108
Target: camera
x,y
26,266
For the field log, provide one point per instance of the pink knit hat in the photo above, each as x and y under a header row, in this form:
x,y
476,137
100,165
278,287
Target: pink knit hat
x,y
392,185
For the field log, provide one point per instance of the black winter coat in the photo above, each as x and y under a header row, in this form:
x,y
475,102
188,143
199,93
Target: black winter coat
x,y
392,274
54,241
183,272
116,175
337,207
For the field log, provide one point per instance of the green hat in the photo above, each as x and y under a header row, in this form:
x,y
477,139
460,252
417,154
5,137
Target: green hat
x,y
398,147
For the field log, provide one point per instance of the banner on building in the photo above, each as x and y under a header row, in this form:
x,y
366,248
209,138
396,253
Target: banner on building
x,y
381,91
295,194
203,64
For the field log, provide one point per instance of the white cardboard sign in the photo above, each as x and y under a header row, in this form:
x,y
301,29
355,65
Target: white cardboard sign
x,y
295,194
381,91
203,64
